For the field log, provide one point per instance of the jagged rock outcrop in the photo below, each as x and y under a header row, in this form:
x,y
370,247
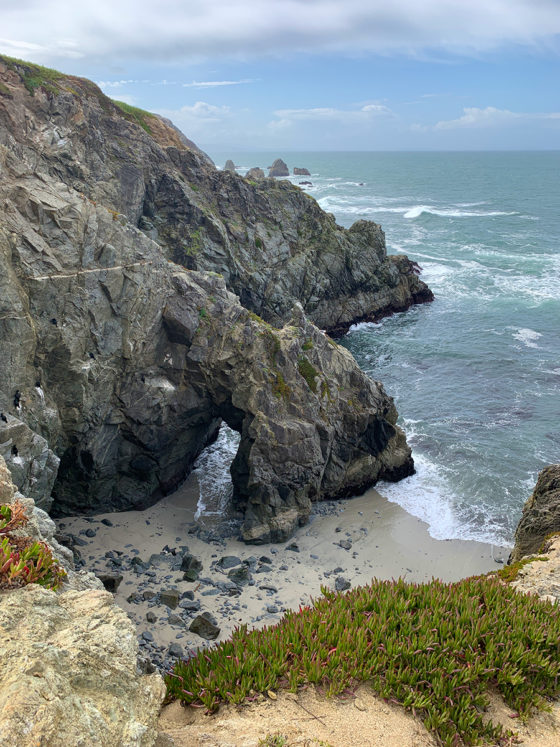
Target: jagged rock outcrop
x,y
541,514
255,173
68,674
541,575
301,172
272,242
122,364
278,168
229,165
138,360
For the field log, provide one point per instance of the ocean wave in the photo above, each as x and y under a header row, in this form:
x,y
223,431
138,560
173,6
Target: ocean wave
x,y
527,337
418,210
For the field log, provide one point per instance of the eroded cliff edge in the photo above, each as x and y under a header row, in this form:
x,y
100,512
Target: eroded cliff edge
x,y
121,364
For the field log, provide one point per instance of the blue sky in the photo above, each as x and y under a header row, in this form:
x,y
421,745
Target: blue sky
x,y
314,74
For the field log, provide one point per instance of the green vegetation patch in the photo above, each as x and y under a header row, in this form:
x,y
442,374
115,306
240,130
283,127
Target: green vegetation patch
x,y
134,114
435,648
308,372
34,76
308,344
510,572
23,560
279,387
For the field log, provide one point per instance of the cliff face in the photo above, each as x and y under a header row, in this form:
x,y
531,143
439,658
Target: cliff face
x,y
541,514
121,364
270,241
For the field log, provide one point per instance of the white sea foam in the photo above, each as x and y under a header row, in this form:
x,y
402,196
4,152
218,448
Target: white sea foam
x,y
212,471
418,210
527,337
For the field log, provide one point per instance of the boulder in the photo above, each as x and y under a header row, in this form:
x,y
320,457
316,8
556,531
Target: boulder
x,y
68,672
204,627
255,173
229,165
301,172
278,168
541,514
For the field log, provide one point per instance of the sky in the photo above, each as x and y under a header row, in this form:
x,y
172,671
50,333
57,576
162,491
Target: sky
x,y
314,74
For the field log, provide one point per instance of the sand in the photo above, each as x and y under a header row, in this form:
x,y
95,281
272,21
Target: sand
x,y
385,542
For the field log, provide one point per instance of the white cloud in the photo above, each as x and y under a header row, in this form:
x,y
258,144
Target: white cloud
x,y
474,117
177,30
366,113
216,83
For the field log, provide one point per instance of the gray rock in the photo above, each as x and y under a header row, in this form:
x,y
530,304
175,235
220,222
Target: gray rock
x,y
346,544
240,576
151,617
229,561
341,584
176,651
190,605
81,285
301,172
190,563
174,619
111,581
254,174
541,514
229,165
169,597
204,628
278,168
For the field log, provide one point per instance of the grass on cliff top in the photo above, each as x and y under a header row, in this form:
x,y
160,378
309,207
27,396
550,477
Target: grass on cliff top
x,y
140,116
434,648
33,76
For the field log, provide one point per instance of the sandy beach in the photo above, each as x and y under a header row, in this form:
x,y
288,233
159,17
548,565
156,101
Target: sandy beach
x,y
346,543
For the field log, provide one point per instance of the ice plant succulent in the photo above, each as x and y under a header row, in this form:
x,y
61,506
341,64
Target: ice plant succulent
x,y
435,648
24,560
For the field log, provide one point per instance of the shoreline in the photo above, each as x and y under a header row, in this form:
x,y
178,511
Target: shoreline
x,y
346,542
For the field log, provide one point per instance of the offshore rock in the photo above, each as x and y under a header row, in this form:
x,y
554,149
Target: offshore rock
x,y
301,172
255,173
541,514
278,168
123,364
229,165
68,674
270,240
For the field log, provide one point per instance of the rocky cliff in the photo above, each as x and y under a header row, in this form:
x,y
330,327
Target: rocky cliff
x,y
68,673
541,514
271,242
121,364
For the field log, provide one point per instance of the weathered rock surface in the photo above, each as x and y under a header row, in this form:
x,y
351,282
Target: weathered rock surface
x,y
68,674
542,575
278,168
229,165
255,173
301,172
271,241
541,514
122,364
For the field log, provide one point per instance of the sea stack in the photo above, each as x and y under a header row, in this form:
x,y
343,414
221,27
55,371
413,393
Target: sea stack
x,y
278,168
230,166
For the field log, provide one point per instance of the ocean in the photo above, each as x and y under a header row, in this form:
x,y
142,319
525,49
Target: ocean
x,y
476,374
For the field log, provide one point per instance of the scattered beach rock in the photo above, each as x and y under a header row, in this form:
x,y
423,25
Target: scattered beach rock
x,y
169,597
110,581
240,576
205,628
229,561
341,584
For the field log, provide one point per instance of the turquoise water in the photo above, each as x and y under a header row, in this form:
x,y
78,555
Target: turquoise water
x,y
476,374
